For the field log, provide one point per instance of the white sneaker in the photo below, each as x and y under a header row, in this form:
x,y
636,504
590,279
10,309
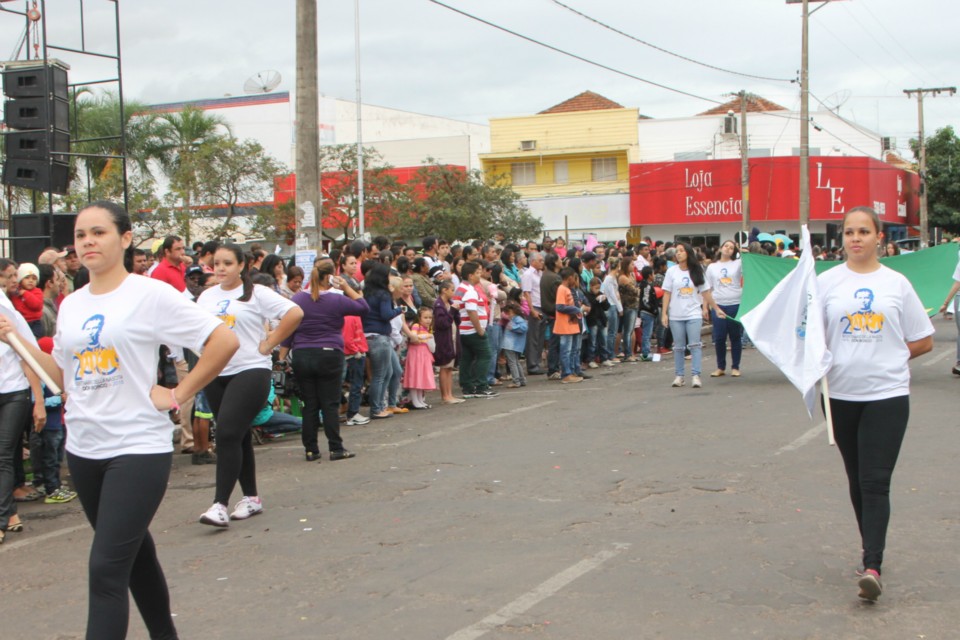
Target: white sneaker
x,y
248,506
678,381
357,419
216,516
696,382
593,365
607,363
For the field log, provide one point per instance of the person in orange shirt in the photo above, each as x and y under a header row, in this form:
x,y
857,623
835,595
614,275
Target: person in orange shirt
x,y
568,326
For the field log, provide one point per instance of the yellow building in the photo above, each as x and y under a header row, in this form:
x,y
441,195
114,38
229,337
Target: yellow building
x,y
570,163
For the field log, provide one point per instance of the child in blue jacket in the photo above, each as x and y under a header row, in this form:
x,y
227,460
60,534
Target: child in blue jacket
x,y
514,342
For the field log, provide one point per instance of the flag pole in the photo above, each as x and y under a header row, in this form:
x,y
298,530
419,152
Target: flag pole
x,y
825,390
21,350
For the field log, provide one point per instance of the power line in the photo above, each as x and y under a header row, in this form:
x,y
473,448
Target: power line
x,y
574,55
875,39
666,51
894,39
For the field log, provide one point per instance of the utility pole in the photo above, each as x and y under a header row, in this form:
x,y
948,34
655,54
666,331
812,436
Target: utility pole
x,y
309,209
924,221
805,107
805,117
360,194
744,165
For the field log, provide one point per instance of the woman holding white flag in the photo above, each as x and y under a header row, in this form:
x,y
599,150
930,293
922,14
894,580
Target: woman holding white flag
x,y
874,323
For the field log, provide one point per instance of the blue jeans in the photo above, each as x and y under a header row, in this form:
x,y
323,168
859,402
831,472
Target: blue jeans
x,y
598,344
46,449
613,323
356,369
724,328
396,377
380,369
281,423
646,322
568,354
494,337
626,328
686,334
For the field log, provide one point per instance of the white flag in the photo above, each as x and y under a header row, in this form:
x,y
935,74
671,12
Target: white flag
x,y
787,327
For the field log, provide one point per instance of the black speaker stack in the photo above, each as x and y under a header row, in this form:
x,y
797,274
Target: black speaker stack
x,y
37,118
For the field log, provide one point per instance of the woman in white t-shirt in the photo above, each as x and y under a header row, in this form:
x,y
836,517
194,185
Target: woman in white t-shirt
x,y
725,278
946,308
119,443
875,324
238,394
685,289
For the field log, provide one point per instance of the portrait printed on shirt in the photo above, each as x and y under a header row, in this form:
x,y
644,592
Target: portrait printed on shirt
x,y
725,279
224,314
864,324
97,366
686,287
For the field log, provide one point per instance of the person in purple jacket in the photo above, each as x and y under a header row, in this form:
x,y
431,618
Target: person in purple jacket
x,y
318,359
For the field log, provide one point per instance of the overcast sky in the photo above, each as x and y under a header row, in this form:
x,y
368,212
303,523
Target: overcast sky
x,y
422,57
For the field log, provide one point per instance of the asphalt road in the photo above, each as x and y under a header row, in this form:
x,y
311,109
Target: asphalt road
x,y
616,508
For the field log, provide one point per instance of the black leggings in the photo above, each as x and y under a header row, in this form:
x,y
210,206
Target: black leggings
x,y
236,400
123,555
869,435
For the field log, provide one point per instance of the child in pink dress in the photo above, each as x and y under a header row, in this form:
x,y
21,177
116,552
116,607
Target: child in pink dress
x,y
418,373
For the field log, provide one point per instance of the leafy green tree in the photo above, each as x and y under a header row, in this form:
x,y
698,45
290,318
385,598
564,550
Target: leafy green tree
x,y
943,178
234,172
454,203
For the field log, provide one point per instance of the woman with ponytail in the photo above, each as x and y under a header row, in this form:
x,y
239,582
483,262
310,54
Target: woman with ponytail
x,y
241,390
685,290
318,355
119,443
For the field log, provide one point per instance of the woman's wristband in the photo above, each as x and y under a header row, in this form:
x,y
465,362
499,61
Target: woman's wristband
x,y
174,405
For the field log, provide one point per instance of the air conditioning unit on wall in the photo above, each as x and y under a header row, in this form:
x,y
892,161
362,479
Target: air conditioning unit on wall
x,y
528,145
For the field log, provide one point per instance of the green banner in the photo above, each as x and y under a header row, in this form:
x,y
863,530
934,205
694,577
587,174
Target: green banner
x,y
930,272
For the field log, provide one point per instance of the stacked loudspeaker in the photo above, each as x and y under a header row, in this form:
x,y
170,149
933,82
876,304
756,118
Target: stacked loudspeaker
x,y
37,118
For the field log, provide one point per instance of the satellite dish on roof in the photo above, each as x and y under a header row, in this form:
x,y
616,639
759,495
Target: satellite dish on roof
x,y
837,99
263,82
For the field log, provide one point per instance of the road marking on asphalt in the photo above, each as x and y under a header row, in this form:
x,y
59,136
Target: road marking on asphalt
x,y
19,544
804,439
935,359
537,595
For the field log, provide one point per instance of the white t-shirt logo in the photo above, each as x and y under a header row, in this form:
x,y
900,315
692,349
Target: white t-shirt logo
x,y
228,318
97,366
864,324
685,288
725,278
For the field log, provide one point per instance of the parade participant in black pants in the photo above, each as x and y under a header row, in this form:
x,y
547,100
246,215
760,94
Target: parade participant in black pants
x,y
238,394
318,358
875,324
119,445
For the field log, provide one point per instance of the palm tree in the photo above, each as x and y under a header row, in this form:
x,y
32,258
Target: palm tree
x,y
96,131
180,135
